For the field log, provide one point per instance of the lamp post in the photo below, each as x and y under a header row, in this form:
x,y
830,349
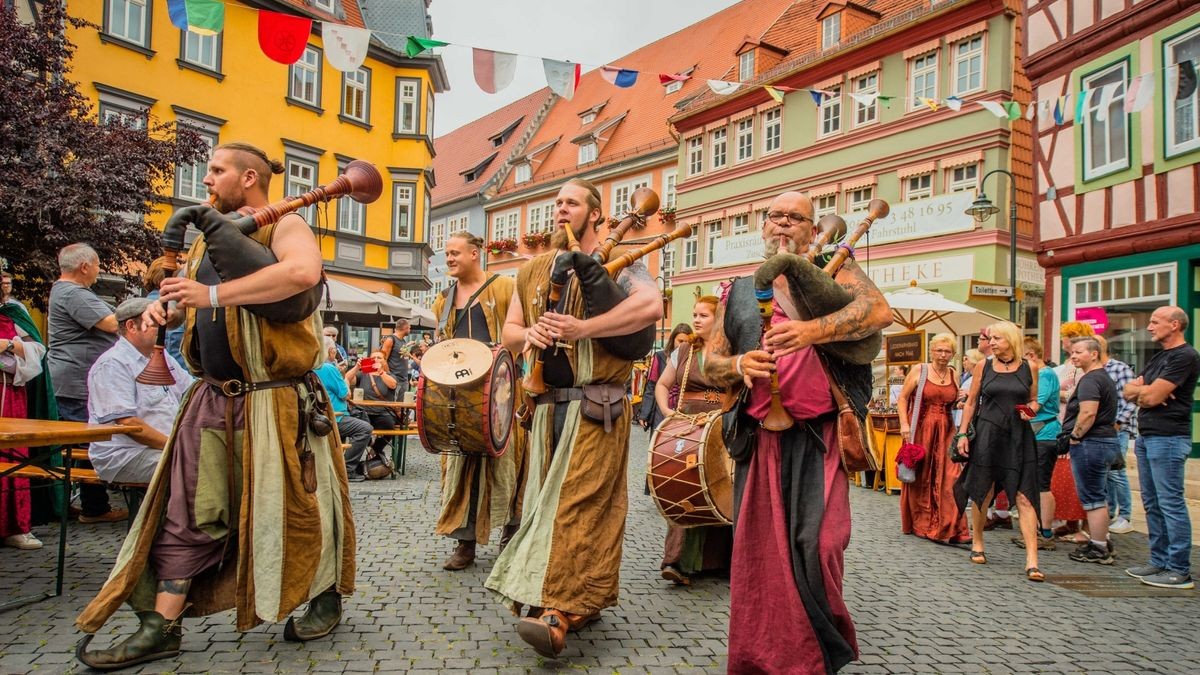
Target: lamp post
x,y
982,209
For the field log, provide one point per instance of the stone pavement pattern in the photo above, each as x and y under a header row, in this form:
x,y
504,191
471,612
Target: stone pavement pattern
x,y
919,607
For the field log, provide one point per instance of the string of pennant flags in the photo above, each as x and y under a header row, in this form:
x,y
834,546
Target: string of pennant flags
x,y
284,37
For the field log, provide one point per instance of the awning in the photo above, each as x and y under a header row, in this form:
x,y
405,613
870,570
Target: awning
x,y
418,317
353,305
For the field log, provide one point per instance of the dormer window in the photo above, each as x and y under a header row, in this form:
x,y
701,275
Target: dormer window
x,y
472,174
831,31
587,118
587,152
523,173
499,138
746,65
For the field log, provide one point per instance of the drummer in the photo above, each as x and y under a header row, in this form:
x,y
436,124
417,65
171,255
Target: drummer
x,y
477,489
694,549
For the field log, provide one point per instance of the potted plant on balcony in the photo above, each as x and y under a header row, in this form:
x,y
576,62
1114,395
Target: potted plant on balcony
x,y
667,214
536,239
498,246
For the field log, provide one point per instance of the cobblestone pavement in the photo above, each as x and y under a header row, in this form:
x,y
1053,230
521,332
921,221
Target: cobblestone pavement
x,y
919,607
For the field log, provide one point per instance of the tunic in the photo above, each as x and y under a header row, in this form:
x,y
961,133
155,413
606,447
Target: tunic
x,y
927,507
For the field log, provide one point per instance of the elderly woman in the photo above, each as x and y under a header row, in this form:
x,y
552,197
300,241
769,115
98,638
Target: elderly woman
x,y
926,403
998,443
352,430
694,549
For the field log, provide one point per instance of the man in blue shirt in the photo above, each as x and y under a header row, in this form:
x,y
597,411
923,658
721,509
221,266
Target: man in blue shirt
x,y
352,430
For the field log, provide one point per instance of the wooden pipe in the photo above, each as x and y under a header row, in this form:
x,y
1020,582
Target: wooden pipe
x,y
877,208
778,418
643,204
830,228
157,372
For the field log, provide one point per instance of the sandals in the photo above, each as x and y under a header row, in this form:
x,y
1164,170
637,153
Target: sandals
x,y
979,557
1034,574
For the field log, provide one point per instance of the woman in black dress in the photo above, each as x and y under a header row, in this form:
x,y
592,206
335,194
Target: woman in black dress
x,y
1001,453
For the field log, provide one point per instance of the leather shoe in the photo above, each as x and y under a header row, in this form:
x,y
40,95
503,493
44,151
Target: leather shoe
x,y
324,613
462,558
155,639
507,534
547,634
670,573
113,515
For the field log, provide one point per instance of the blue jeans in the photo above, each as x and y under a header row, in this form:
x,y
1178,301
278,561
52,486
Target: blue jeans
x,y
1090,462
1161,461
1119,497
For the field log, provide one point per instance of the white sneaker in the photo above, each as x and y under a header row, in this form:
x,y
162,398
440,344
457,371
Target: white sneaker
x,y
25,542
1120,526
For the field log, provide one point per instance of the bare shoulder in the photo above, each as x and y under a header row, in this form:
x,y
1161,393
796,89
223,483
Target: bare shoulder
x,y
633,276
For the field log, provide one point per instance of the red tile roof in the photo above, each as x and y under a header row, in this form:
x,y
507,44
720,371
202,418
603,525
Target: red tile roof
x,y
467,146
349,7
708,45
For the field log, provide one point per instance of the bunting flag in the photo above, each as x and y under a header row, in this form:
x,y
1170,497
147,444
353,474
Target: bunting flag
x,y
493,70
886,100
1031,111
1013,109
664,78
283,37
1060,109
954,103
562,77
415,45
723,88
932,104
774,92
1106,96
1145,93
619,77
1081,104
994,108
865,100
345,46
203,17
1185,80
1131,93
818,96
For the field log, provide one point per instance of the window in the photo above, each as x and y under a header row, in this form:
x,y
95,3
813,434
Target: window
x,y
695,155
964,179
356,95
587,118
305,78
1182,133
669,180
690,245
324,5
505,225
402,211
622,191
719,154
301,177
745,139
437,235
351,215
712,232
408,95
866,114
111,113
128,20
587,152
968,65
202,51
668,262
772,129
923,73
541,217
831,112
457,223
429,114
189,178
523,172
746,65
858,199
673,86
918,187
825,205
739,224
831,31
1105,141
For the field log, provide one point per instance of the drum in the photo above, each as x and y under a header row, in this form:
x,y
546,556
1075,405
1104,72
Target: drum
x,y
689,473
465,398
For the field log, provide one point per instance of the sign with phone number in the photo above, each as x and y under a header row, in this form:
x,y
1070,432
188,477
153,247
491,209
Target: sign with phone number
x,y
918,219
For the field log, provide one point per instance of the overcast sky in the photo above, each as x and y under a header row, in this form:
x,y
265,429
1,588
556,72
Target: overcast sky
x,y
591,32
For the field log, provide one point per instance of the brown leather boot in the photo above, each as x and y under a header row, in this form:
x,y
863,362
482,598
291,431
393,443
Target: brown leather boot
x,y
462,558
506,535
156,638
324,613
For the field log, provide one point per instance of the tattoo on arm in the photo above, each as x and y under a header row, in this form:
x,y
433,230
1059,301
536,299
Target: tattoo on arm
x,y
634,275
852,321
174,586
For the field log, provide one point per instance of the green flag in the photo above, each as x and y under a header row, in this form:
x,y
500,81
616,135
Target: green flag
x,y
1014,110
416,45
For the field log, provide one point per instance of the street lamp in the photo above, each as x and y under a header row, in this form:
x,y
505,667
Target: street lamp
x,y
982,209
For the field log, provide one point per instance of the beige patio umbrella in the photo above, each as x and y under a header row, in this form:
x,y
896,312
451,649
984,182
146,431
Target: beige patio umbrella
x,y
915,308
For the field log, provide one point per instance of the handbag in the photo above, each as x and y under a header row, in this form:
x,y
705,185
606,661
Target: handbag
x,y
852,439
378,465
1063,442
953,450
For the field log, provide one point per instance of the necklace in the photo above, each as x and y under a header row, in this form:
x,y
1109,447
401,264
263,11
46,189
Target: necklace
x,y
1008,362
940,377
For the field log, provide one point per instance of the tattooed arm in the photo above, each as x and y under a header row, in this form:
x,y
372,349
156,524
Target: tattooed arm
x,y
720,363
867,313
642,308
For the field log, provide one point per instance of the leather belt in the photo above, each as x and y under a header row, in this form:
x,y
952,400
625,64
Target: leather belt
x,y
559,395
233,388
704,396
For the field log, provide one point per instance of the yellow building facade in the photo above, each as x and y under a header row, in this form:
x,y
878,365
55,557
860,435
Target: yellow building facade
x,y
312,117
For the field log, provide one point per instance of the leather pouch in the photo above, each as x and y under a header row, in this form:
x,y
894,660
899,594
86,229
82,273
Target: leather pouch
x,y
603,403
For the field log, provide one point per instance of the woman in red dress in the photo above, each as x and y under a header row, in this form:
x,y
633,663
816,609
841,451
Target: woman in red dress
x,y
926,406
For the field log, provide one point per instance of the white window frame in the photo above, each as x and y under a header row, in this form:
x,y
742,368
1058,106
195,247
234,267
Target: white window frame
x,y
296,184
919,186
746,65
1140,273
506,224
967,63
744,140
194,42
356,88
1187,109
866,114
587,118
587,152
691,246
404,200
408,105
522,173
189,178
541,217
739,224
673,86
669,180
719,146
922,72
621,192
712,232
351,216
324,5
858,198
1111,162
963,178
824,205
695,155
831,31
132,14
829,117
772,130
304,72
668,263
458,222
437,234
108,112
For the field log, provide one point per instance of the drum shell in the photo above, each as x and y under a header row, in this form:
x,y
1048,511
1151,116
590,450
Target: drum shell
x,y
689,474
460,419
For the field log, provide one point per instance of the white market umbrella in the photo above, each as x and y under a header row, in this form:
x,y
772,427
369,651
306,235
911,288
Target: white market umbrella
x,y
914,308
354,305
418,317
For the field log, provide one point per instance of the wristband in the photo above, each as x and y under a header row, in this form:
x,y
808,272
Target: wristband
x,y
737,365
212,297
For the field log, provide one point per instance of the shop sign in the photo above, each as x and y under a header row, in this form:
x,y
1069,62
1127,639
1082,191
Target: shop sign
x,y
980,289
904,349
1096,317
738,249
925,272
917,219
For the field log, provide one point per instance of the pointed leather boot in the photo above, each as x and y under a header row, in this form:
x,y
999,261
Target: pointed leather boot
x,y
463,556
155,639
324,613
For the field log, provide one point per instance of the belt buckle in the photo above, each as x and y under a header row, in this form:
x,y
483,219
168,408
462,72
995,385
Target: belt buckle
x,y
233,388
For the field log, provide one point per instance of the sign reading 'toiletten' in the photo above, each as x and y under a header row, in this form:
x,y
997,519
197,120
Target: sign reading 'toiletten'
x,y
918,219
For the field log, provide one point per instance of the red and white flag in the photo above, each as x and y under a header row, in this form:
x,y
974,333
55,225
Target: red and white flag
x,y
493,70
345,46
562,77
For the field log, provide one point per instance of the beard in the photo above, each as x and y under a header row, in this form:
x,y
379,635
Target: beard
x,y
771,247
559,241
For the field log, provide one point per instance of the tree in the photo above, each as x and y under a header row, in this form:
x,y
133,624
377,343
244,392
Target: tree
x,y
64,176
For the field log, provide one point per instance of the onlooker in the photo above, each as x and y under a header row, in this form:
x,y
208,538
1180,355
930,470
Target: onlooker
x,y
1068,374
985,344
1067,507
1046,428
81,328
394,352
22,395
649,416
351,429
151,283
378,384
1163,393
971,357
1091,412
331,332
6,292
1120,500
114,396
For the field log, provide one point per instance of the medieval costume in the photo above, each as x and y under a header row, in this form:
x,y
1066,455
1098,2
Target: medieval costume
x,y
791,509
927,507
290,537
477,489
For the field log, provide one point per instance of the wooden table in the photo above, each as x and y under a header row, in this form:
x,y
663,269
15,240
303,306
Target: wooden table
x,y
394,405
400,440
47,438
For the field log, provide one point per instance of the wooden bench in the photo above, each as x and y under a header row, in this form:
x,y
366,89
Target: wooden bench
x,y
132,492
399,444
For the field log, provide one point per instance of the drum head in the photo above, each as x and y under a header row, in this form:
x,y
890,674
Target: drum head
x,y
457,361
500,401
